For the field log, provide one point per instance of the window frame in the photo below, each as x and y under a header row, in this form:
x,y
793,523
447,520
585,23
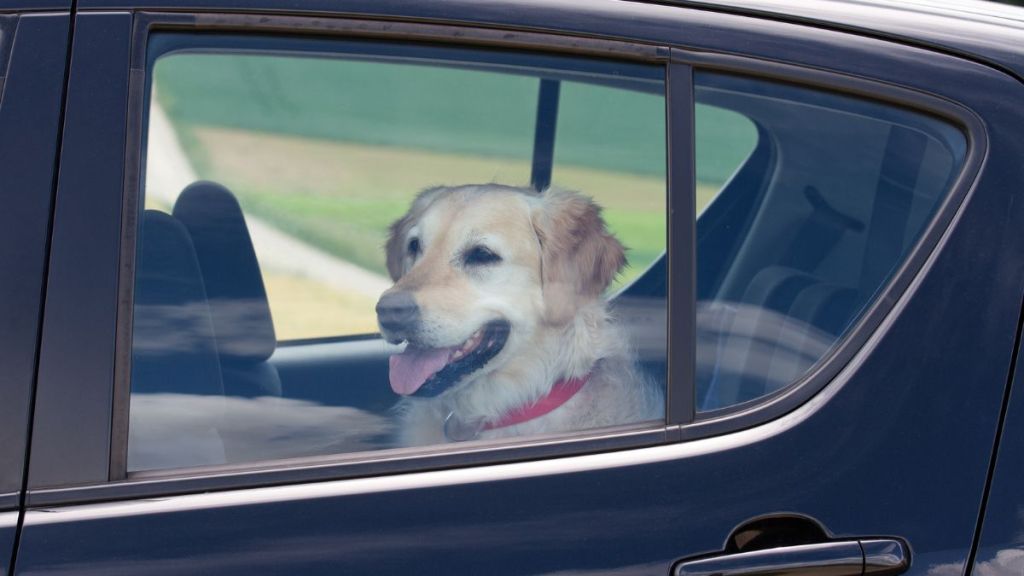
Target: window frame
x,y
17,390
392,460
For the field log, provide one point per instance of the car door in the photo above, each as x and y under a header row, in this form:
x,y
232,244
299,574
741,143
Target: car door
x,y
33,52
842,313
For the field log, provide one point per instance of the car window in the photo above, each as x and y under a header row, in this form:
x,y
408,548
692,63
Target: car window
x,y
727,139
477,208
804,235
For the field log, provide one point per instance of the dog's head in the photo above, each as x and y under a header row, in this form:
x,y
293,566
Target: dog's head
x,y
479,270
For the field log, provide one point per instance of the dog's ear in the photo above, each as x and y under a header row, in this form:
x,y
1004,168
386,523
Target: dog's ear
x,y
394,249
579,257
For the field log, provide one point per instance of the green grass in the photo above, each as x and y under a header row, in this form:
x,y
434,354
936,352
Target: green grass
x,y
446,110
644,238
724,140
354,229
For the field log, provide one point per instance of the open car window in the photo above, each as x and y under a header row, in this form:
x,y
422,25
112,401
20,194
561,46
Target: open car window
x,y
478,208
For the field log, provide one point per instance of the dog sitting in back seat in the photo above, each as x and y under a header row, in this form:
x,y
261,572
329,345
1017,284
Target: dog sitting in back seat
x,y
499,297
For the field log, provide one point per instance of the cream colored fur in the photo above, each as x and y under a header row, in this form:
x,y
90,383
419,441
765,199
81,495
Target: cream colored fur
x,y
557,259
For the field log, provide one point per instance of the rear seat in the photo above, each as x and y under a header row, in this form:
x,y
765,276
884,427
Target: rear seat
x,y
242,323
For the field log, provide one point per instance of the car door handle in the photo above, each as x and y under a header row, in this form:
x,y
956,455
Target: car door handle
x,y
868,557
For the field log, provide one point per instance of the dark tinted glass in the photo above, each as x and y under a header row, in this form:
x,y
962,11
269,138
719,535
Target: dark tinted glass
x,y
800,239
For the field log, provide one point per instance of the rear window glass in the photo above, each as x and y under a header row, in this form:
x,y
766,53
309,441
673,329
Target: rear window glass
x,y
831,195
726,140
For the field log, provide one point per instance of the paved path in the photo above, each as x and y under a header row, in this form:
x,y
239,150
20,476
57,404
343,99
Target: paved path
x,y
277,251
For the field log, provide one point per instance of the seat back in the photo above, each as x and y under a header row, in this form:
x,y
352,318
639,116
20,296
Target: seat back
x,y
242,323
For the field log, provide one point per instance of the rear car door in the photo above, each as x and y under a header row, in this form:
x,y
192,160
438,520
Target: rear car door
x,y
33,52
827,229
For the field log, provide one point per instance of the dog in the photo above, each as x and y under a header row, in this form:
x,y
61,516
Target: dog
x,y
499,297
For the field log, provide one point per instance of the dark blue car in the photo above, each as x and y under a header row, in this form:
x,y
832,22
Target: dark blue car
x,y
822,209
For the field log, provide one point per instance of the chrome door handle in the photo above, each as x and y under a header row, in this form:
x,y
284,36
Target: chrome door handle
x,y
867,557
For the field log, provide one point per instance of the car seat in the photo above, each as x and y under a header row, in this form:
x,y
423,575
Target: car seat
x,y
242,324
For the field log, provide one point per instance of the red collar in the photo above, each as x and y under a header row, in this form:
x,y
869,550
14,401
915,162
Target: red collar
x,y
560,393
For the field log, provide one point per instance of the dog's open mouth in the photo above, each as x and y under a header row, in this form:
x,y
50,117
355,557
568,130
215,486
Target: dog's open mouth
x,y
430,371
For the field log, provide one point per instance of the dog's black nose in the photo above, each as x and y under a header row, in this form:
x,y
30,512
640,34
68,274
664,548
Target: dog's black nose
x,y
397,310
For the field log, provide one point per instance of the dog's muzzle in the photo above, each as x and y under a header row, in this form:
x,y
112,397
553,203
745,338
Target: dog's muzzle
x,y
398,315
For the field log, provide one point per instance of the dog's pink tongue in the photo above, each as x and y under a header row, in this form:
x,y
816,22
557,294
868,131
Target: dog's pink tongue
x,y
410,369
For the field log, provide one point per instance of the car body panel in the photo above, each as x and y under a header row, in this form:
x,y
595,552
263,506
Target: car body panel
x,y
979,29
88,194
1001,544
34,6
862,457
29,119
8,535
982,30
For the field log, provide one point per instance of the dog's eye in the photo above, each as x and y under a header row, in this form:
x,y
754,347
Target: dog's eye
x,y
414,247
480,256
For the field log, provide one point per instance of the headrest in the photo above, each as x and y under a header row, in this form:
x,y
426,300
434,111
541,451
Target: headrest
x,y
234,285
173,348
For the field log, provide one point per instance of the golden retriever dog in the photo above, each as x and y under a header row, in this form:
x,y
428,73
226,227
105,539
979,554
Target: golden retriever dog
x,y
499,297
